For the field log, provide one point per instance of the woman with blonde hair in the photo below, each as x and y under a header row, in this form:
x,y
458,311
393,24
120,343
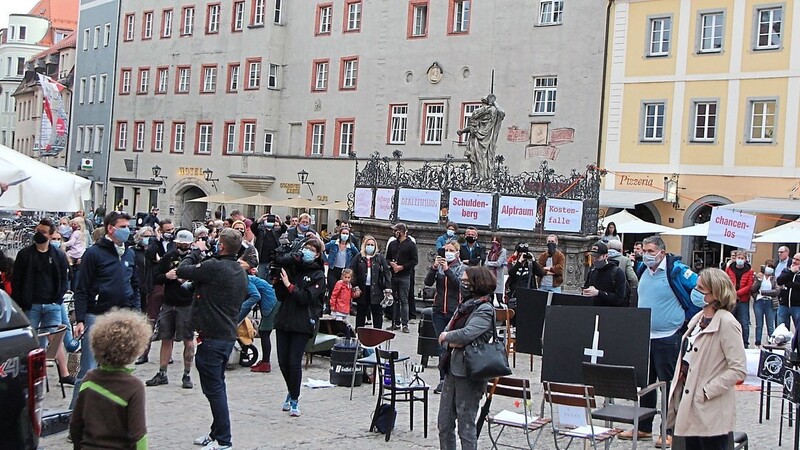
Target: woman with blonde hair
x,y
372,280
702,401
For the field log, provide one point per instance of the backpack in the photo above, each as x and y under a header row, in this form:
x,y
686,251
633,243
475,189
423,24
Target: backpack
x,y
384,418
627,299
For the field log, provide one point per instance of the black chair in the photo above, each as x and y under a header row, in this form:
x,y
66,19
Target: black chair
x,y
612,382
397,392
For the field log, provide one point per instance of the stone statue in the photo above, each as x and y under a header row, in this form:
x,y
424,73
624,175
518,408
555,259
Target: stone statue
x,y
483,128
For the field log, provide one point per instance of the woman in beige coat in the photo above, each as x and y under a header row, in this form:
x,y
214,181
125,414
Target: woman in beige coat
x,y
702,401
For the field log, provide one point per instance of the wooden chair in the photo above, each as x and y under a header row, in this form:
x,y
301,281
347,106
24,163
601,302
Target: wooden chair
x,y
369,338
575,395
506,332
397,392
54,340
519,388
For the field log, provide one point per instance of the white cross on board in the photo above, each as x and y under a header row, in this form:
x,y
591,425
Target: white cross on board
x,y
595,352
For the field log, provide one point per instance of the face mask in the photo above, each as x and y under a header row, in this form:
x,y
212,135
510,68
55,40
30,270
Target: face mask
x,y
698,298
651,261
269,225
370,249
56,244
182,250
74,227
303,227
344,237
466,294
168,236
146,241
471,239
495,245
769,270
599,263
739,263
450,233
308,255
449,256
40,238
64,228
612,252
122,234
551,247
241,232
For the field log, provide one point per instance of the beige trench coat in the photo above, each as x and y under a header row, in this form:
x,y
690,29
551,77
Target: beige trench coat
x,y
705,405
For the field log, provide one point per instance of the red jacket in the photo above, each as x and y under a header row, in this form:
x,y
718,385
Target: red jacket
x,y
341,297
744,284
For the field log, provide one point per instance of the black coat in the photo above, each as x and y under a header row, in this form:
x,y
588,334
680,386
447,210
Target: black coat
x,y
788,279
301,305
267,240
478,256
25,276
381,277
524,274
106,280
610,280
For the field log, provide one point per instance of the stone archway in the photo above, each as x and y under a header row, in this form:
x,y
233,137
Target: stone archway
x,y
700,212
183,211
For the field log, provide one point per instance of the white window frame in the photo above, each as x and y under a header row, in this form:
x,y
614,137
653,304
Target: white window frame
x,y
91,141
188,22
346,137
158,140
317,139
230,138
179,138
461,16
144,81
551,12
92,88
101,89
433,130
466,112
205,135
82,91
106,35
99,132
209,79
122,135
140,132
398,124
659,36
545,96
704,123
96,36
259,11
277,17
130,21
762,133
78,140
711,33
126,81
655,132
321,71
167,18
325,19
269,142
213,18
163,80
249,138
350,74
234,78
184,77
253,74
354,16
86,37
272,78
148,25
238,16
771,35
419,27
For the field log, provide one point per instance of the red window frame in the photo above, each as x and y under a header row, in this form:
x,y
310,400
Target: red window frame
x,y
310,136
346,20
139,91
153,148
451,11
178,80
197,138
208,17
203,78
118,132
160,69
229,77
128,17
249,61
342,63
320,7
233,17
314,75
183,19
122,72
173,135
337,151
226,126
144,24
242,125
253,13
136,136
412,4
163,22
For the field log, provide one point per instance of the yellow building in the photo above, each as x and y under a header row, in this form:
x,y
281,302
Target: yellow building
x,y
706,93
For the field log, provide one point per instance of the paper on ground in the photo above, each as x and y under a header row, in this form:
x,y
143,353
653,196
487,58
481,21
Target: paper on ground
x,y
315,384
510,416
586,430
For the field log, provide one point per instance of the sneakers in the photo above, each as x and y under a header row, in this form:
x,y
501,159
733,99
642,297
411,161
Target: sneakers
x,y
438,389
214,445
286,403
393,327
141,360
294,410
186,382
159,379
406,330
642,436
660,444
203,440
263,367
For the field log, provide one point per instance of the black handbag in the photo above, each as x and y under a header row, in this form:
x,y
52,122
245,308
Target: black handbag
x,y
487,359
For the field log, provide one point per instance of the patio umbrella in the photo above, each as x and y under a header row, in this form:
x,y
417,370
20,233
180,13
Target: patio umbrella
x,y
694,230
620,218
336,206
216,198
256,200
299,202
788,232
628,223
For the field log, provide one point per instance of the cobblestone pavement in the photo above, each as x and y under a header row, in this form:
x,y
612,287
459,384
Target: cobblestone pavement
x,y
176,416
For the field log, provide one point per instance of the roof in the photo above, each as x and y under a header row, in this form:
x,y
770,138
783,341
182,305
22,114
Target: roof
x,y
62,14
68,42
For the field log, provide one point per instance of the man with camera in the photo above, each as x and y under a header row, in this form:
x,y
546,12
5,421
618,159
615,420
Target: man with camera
x,y
524,271
267,230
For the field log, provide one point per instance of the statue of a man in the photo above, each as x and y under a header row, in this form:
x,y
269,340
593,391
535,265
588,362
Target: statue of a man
x,y
483,128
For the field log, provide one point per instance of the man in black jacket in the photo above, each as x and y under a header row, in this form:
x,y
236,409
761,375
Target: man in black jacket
x,y
267,230
220,287
472,253
403,257
789,278
606,280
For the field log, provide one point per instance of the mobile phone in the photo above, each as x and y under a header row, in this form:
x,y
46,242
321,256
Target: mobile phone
x,y
271,218
440,252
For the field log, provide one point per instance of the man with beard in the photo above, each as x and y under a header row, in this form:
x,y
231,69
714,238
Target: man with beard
x,y
552,261
174,322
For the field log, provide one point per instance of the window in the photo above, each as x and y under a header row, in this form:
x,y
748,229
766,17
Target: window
x,y
125,82
258,13
398,123
349,75
147,25
269,138
204,132
315,138
762,120
184,74
82,91
277,17
705,121
544,95
101,89
238,16
166,23
92,87
769,28
248,136
90,141
466,112
551,12
96,42
122,135
272,80
23,33
178,137
711,28
320,75
78,140
209,79
433,123
230,138
459,14
139,145
418,19
233,77
158,136
345,132
106,34
212,19
129,24
660,29
353,16
20,65
324,18
86,39
188,21
253,73
163,80
653,122
98,142
144,81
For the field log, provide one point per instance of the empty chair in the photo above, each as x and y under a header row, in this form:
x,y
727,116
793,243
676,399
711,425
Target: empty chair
x,y
518,388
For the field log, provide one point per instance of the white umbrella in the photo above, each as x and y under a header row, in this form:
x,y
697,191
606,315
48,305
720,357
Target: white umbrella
x,y
788,232
694,230
300,202
336,206
256,200
46,189
619,218
628,223
216,198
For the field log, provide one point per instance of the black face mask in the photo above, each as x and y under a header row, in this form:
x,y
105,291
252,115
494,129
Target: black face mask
x,y
599,264
551,247
471,239
466,294
167,236
40,238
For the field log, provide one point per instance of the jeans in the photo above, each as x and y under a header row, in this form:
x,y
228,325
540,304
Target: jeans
x,y
763,309
742,313
44,319
290,347
211,359
440,321
460,399
87,357
550,289
785,312
400,288
70,343
664,354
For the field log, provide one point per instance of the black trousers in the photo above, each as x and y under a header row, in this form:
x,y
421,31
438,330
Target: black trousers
x,y
707,442
290,347
364,307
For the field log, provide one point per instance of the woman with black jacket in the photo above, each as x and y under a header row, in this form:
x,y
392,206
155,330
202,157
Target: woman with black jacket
x,y
525,272
373,279
300,291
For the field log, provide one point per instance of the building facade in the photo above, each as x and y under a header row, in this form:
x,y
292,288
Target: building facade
x,y
253,92
705,94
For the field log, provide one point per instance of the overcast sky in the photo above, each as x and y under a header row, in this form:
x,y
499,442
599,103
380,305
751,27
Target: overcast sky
x,y
13,7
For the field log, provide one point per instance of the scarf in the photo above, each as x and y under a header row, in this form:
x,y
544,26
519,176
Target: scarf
x,y
494,253
465,309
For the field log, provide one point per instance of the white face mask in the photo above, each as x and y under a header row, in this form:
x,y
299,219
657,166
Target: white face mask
x,y
449,256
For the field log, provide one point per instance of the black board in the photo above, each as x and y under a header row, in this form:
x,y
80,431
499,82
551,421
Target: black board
x,y
530,313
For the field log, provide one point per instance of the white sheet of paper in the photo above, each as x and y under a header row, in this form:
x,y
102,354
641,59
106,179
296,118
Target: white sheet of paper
x,y
572,415
511,416
586,430
315,384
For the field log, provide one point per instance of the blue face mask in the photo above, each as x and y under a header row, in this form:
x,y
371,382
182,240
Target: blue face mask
x,y
269,225
450,233
303,227
56,244
344,237
146,241
698,298
308,255
122,234
370,249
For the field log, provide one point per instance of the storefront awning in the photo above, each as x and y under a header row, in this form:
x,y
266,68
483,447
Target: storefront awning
x,y
626,199
767,206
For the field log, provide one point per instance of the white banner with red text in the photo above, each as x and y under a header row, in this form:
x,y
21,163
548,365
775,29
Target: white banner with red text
x,y
731,227
470,208
517,213
418,205
563,215
384,198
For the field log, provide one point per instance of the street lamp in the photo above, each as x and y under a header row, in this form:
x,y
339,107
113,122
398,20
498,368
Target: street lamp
x,y
209,174
157,174
671,191
303,177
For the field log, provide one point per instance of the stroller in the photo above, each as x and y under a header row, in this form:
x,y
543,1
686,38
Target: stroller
x,y
245,336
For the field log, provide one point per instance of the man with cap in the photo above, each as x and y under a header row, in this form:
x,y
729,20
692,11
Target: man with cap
x,y
174,320
606,280
402,256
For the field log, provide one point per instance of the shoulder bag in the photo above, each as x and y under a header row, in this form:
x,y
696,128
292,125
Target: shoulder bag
x,y
486,359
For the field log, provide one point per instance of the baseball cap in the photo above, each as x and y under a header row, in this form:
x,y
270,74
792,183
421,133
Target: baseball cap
x,y
399,226
184,237
600,248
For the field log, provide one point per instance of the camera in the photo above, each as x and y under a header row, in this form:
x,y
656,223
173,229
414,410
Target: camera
x,y
271,218
523,248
